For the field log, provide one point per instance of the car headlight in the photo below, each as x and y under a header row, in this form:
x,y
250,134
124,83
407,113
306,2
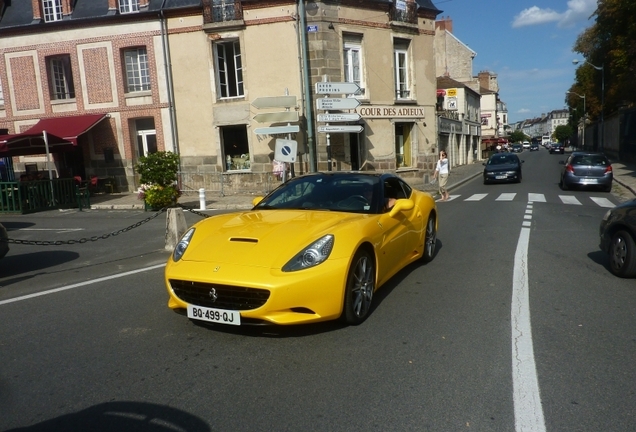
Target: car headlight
x,y
511,172
607,215
181,247
312,255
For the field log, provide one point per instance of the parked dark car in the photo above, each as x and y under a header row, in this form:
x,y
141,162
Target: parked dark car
x,y
585,169
618,238
502,167
534,146
4,245
517,148
557,148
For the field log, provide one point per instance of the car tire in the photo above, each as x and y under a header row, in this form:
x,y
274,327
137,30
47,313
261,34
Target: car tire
x,y
622,254
430,240
563,185
359,288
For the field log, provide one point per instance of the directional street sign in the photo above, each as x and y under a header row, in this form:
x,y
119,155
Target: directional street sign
x,y
338,117
275,102
341,129
337,103
278,116
277,130
337,88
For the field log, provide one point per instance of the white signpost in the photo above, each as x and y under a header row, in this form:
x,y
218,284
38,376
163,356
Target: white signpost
x,y
339,117
329,104
286,149
341,129
337,88
273,130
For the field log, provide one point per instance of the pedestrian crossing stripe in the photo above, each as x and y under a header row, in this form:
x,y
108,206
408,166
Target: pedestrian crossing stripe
x,y
536,197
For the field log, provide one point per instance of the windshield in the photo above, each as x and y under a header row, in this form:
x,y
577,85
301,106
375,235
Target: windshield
x,y
329,192
502,160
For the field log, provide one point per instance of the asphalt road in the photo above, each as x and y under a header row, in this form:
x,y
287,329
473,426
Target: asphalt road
x,y
443,350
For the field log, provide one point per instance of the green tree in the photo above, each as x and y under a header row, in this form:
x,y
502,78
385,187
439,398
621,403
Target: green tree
x,y
517,136
563,132
608,43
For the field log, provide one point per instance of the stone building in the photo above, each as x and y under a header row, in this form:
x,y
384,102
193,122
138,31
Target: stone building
x,y
220,83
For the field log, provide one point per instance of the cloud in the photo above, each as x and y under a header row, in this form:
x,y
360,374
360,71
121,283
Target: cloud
x,y
523,111
577,11
534,16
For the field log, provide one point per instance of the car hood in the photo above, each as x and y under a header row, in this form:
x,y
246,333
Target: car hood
x,y
502,167
267,238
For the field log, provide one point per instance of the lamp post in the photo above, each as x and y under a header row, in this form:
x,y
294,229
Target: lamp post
x,y
602,69
584,114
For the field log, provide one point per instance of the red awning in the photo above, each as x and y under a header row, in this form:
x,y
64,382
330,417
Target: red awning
x,y
61,133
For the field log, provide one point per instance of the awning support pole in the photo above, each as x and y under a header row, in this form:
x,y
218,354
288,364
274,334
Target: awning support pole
x,y
48,164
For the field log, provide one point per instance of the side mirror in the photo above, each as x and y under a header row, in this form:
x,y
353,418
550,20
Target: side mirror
x,y
256,200
401,205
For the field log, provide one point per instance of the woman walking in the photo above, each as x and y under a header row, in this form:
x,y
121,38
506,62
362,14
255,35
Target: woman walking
x,y
441,174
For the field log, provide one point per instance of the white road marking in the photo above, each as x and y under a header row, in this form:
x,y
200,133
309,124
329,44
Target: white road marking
x,y
525,384
506,197
81,284
535,197
603,202
476,197
51,229
568,199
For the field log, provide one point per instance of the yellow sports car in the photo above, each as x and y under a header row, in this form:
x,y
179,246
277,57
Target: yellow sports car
x,y
315,249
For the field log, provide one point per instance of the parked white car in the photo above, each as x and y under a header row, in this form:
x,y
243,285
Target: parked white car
x,y
526,144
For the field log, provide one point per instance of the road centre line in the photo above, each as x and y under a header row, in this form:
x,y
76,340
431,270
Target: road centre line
x,y
81,284
525,384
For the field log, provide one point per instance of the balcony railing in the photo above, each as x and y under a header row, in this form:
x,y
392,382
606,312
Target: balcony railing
x,y
403,11
218,11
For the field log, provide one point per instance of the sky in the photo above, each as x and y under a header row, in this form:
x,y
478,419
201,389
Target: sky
x,y
526,43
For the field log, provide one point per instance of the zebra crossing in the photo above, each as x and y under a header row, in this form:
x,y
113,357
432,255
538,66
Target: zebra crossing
x,y
536,198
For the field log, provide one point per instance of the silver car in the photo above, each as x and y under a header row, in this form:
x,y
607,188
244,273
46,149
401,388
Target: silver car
x,y
585,169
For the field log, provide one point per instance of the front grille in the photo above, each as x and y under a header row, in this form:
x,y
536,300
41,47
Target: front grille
x,y
227,296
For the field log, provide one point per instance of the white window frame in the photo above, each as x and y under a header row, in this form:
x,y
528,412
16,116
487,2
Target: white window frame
x,y
353,61
401,66
128,6
52,10
61,78
137,70
229,69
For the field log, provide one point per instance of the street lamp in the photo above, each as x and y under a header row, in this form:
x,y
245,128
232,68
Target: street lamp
x,y
584,113
602,69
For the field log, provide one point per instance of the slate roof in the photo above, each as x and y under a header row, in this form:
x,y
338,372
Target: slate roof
x,y
19,13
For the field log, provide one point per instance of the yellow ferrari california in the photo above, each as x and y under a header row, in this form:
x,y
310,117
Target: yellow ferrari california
x,y
315,249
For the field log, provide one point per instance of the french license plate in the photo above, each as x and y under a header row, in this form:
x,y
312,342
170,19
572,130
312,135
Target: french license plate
x,y
221,316
500,177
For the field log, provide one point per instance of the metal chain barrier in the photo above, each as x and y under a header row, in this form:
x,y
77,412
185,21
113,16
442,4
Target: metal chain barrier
x,y
193,211
84,240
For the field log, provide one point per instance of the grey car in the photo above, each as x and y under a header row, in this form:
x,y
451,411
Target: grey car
x,y
618,237
587,169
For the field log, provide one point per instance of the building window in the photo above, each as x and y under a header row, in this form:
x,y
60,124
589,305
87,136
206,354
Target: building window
x,y
137,73
128,6
229,69
52,10
61,78
146,136
236,149
402,85
353,71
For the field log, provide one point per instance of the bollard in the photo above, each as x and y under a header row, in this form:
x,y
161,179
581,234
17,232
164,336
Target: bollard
x,y
201,199
175,227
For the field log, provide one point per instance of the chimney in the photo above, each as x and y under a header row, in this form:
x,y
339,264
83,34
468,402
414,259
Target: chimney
x,y
446,23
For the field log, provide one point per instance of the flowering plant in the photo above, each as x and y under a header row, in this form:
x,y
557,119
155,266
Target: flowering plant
x,y
158,175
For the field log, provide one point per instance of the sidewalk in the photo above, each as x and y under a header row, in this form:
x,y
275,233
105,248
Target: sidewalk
x,y
624,175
